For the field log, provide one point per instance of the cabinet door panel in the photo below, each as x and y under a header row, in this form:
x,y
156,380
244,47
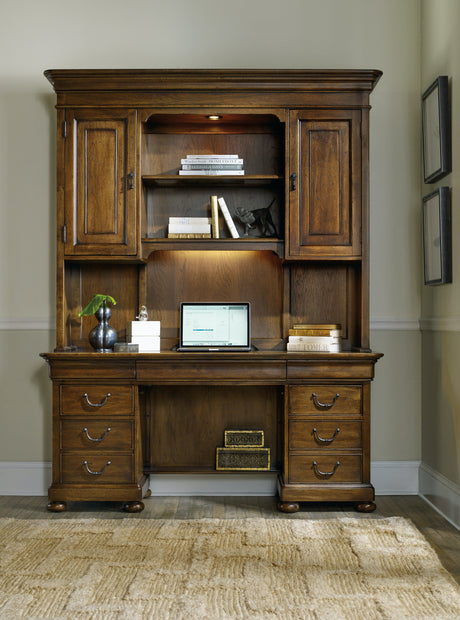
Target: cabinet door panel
x,y
324,195
100,189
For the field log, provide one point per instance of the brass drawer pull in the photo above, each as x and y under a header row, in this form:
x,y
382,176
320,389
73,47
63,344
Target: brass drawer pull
x,y
322,439
324,405
96,473
101,404
97,439
325,474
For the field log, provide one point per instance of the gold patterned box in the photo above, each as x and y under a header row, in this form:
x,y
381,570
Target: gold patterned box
x,y
243,459
247,439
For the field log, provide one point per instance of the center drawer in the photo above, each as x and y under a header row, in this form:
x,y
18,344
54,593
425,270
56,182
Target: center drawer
x,y
96,434
325,399
97,399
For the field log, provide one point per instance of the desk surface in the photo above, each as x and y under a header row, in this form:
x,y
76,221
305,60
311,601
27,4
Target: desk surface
x,y
264,367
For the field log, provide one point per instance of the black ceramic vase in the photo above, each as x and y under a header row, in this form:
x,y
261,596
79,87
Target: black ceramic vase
x,y
103,337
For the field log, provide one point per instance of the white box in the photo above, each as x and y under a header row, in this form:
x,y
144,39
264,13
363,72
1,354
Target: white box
x,y
143,328
146,343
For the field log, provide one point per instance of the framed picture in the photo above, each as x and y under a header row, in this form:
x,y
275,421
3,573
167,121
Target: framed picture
x,y
437,237
437,158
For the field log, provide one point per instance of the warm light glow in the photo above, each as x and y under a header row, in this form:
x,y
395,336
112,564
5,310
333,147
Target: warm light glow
x,y
214,117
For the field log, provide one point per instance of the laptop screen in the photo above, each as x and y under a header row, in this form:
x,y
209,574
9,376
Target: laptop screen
x,y
209,324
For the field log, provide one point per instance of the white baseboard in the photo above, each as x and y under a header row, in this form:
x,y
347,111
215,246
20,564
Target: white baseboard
x,y
17,478
213,484
388,477
442,494
395,477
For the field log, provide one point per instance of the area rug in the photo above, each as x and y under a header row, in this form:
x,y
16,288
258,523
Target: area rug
x,y
220,569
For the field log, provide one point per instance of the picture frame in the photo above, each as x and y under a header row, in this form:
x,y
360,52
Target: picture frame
x,y
437,157
437,237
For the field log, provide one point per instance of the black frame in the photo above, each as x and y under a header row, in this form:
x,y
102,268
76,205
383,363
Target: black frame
x,y
437,237
437,156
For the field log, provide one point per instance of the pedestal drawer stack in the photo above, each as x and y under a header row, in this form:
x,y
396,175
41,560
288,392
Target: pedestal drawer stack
x,y
99,449
97,434
326,442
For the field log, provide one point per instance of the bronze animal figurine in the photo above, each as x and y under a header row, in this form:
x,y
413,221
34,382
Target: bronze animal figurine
x,y
258,218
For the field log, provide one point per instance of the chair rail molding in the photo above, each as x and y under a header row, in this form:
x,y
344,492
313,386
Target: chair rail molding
x,y
46,324
440,324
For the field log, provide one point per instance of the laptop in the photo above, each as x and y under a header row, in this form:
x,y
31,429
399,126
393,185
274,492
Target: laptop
x,y
215,326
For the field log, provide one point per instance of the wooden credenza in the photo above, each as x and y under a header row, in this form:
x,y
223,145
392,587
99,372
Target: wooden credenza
x,y
303,135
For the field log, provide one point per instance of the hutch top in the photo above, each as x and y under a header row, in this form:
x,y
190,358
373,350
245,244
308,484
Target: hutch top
x,y
303,136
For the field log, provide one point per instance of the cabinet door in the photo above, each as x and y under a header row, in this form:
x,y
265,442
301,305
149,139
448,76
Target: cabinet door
x,y
325,184
100,187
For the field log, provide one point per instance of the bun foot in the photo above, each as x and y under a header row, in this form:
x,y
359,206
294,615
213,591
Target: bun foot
x,y
288,506
133,506
57,506
148,493
366,507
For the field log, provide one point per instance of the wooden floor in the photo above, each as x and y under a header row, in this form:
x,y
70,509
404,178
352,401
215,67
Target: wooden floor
x,y
443,536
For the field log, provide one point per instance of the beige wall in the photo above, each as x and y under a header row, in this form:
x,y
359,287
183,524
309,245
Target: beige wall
x,y
441,304
34,36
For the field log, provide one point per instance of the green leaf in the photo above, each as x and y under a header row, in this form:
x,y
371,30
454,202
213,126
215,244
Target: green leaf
x,y
96,302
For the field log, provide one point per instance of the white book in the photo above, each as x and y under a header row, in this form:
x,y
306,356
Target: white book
x,y
305,346
190,220
212,156
143,328
207,166
313,339
203,172
147,344
216,161
189,228
228,217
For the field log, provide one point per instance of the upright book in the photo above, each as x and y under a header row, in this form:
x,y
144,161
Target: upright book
x,y
228,218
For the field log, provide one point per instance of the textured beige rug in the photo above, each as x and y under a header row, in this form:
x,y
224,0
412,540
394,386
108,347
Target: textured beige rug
x,y
215,569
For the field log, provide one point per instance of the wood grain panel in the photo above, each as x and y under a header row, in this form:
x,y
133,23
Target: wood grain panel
x,y
100,201
325,198
179,276
187,423
86,279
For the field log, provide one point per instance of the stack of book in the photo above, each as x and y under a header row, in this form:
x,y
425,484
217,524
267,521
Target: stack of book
x,y
146,334
212,165
243,450
315,337
189,228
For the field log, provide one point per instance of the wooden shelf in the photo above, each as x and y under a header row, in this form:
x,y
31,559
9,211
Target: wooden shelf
x,y
175,180
241,244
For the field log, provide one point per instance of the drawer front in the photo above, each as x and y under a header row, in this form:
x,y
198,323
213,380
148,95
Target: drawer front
x,y
324,468
213,370
90,469
324,434
96,435
325,399
99,400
